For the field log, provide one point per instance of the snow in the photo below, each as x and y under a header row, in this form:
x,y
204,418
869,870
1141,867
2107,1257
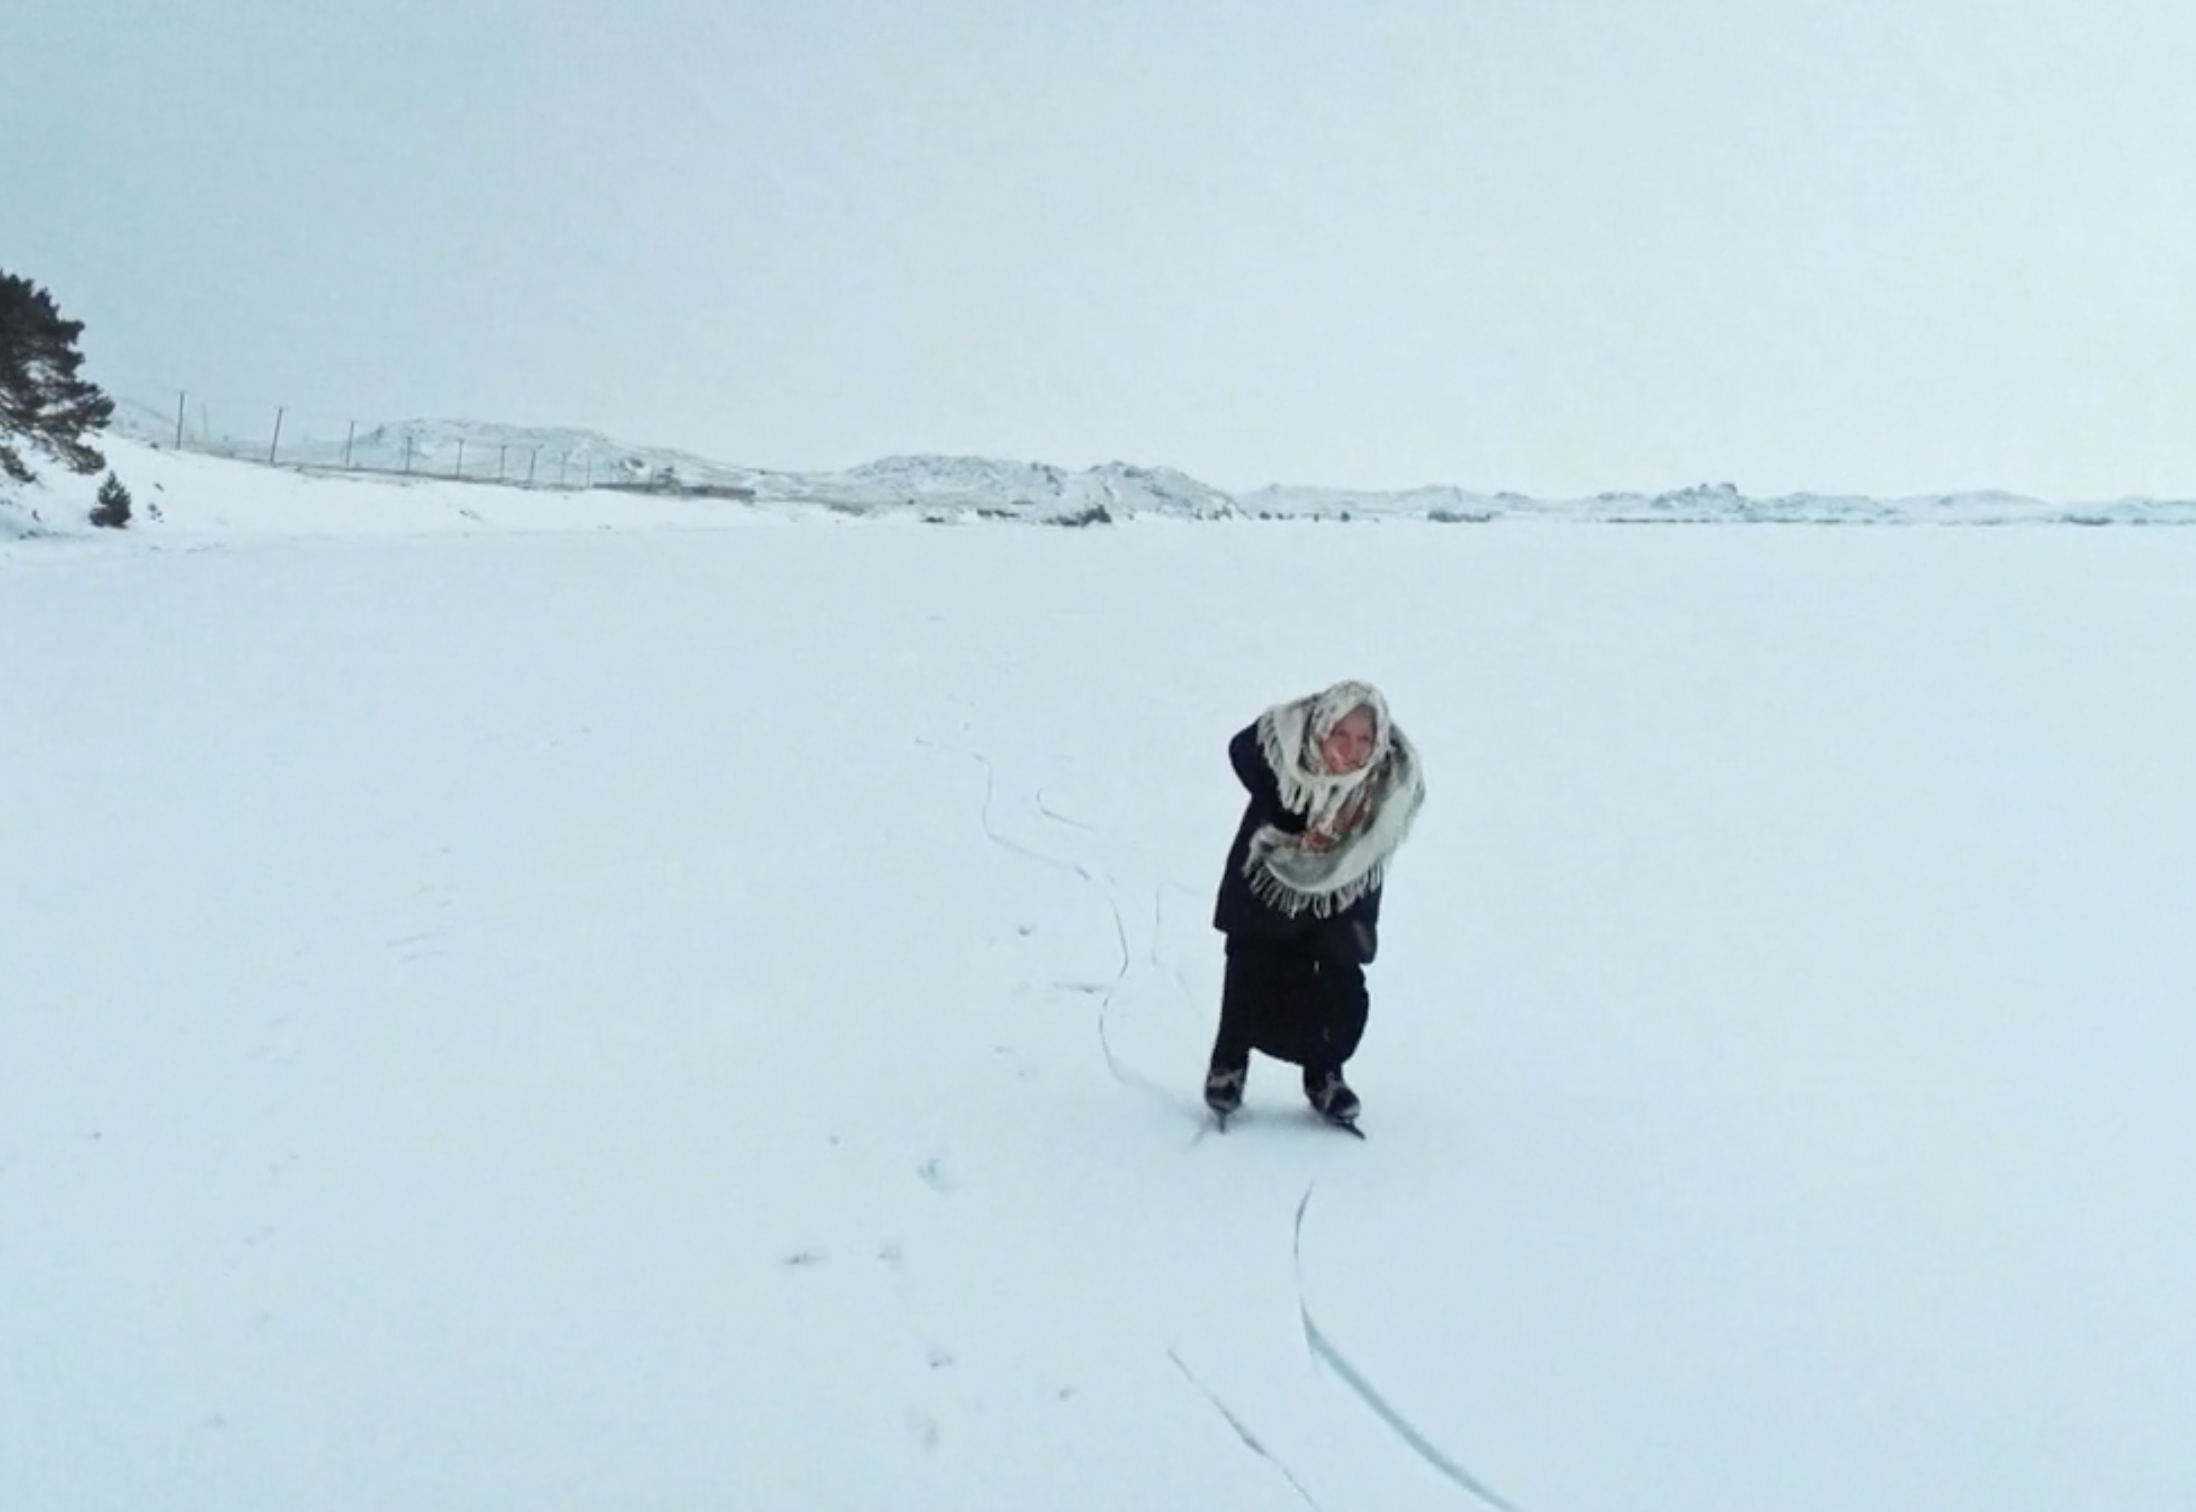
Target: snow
x,y
572,463
531,999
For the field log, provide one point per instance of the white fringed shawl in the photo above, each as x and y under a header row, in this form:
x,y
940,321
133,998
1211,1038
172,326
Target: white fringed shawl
x,y
1367,813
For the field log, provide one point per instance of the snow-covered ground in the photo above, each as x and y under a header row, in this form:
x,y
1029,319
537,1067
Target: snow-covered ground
x,y
639,1016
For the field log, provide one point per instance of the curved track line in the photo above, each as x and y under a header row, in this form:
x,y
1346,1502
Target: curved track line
x,y
1037,801
1242,1431
1323,1350
983,816
1158,932
991,780
1128,1076
1120,1072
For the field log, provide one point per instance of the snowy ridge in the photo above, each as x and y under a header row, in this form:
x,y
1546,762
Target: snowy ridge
x,y
1711,504
1030,490
584,464
471,450
545,456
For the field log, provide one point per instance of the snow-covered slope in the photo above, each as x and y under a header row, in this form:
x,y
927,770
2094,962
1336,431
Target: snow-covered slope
x,y
56,503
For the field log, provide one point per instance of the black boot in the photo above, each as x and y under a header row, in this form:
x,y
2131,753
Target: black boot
x,y
1330,1095
1224,1089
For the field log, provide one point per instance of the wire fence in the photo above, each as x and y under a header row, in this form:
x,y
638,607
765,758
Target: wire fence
x,y
281,435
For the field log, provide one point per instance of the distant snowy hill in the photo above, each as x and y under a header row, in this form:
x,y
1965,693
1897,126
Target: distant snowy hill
x,y
575,463
567,458
1027,490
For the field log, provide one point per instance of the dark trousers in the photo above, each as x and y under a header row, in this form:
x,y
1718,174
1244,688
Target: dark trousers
x,y
1290,1004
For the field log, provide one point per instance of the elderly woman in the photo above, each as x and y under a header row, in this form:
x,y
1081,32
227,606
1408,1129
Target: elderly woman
x,y
1333,788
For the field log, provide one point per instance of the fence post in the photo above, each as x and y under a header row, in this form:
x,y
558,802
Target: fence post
x,y
407,454
499,461
531,458
461,459
277,441
562,458
349,436
180,396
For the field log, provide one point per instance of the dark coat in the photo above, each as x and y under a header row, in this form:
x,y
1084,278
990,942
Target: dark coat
x,y
1243,916
1295,986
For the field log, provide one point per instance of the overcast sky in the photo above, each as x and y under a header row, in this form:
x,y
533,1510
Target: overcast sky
x,y
1556,246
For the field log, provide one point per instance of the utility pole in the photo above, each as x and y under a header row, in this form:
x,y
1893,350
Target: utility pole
x,y
461,459
277,441
531,458
349,436
180,396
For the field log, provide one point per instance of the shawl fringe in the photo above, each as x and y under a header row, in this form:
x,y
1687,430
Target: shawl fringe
x,y
1290,876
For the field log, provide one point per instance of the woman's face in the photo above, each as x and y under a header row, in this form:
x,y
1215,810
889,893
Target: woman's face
x,y
1349,745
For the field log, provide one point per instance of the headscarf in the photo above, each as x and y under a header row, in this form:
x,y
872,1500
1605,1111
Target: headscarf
x,y
1356,819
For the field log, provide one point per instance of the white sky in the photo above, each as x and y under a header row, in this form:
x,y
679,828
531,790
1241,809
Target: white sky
x,y
1557,247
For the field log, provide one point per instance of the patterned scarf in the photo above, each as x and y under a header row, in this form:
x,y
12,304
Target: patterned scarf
x,y
1354,820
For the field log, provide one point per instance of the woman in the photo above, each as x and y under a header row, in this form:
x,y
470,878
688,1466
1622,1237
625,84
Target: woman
x,y
1333,787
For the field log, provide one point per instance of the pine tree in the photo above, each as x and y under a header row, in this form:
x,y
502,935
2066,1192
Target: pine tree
x,y
113,508
43,404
